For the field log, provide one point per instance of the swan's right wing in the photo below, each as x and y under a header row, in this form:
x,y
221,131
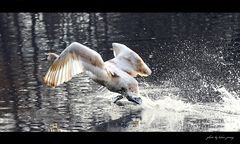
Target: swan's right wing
x,y
75,59
129,61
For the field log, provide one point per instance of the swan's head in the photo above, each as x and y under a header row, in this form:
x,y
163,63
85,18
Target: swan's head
x,y
133,97
132,93
51,56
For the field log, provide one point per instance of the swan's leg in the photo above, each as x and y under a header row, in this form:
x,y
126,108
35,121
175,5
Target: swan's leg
x,y
136,100
117,98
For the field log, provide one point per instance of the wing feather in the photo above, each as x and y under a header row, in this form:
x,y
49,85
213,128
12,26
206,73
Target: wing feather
x,y
75,59
129,61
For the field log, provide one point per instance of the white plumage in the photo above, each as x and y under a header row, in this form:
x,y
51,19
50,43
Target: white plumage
x,y
116,74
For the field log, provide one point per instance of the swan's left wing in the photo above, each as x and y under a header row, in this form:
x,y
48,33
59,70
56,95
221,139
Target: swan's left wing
x,y
75,59
129,61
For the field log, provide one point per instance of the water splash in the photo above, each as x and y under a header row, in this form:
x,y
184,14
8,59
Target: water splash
x,y
171,113
231,100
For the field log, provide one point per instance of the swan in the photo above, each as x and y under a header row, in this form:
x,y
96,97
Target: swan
x,y
116,74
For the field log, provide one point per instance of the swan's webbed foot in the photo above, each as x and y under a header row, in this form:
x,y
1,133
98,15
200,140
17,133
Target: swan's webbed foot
x,y
136,100
117,98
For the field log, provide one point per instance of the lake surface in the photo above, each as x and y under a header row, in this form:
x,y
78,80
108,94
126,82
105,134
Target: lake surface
x,y
195,84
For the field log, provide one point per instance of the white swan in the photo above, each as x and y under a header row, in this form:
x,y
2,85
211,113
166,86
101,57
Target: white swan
x,y
116,74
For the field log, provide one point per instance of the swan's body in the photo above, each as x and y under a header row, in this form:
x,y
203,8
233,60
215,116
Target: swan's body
x,y
117,74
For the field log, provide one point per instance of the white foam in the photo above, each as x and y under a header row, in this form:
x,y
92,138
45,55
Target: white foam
x,y
231,101
171,113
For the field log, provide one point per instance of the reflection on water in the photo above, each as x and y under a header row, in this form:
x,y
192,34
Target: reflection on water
x,y
194,58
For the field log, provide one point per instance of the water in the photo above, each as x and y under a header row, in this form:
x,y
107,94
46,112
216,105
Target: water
x,y
194,58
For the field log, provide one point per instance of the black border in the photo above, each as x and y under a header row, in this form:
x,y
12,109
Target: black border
x,y
123,137
118,6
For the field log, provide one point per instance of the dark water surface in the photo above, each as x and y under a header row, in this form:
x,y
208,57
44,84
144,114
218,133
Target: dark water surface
x,y
195,59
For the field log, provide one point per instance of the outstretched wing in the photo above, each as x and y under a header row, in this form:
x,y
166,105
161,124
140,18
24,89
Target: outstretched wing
x,y
129,61
75,59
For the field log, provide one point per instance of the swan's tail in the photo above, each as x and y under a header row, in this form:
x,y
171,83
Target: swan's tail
x,y
52,56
